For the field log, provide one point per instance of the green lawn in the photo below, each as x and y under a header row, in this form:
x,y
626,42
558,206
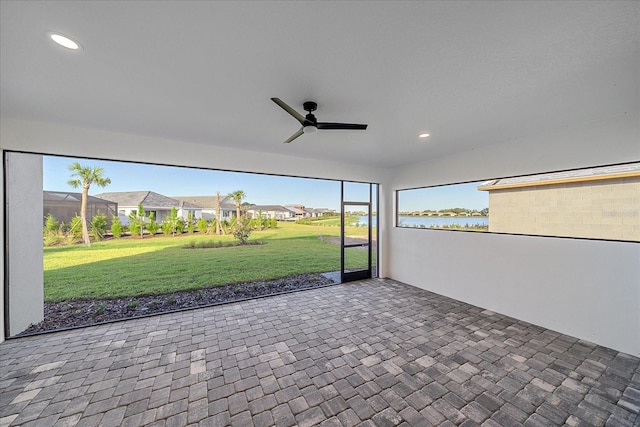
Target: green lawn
x,y
133,267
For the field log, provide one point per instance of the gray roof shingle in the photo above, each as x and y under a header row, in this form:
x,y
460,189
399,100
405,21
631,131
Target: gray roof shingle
x,y
207,202
148,199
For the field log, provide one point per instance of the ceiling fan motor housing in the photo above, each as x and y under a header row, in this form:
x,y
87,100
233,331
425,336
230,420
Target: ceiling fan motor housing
x,y
309,106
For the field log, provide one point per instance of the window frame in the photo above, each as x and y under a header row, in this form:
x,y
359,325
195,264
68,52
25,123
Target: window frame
x,y
396,222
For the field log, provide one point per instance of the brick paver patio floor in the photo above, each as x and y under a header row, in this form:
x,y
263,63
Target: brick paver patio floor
x,y
370,353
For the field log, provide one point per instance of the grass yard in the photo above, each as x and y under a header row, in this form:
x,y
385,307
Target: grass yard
x,y
135,267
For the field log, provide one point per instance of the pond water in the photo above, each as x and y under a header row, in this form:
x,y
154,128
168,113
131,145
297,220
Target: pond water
x,y
428,222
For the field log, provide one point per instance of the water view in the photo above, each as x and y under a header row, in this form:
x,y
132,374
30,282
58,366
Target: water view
x,y
436,222
443,222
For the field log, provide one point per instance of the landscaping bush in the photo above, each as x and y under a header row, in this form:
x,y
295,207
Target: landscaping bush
x,y
75,228
152,225
53,238
116,227
136,228
50,224
99,226
242,230
52,232
180,226
203,225
137,222
167,228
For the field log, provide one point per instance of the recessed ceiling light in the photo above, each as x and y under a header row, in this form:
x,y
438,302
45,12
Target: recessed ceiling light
x,y
423,135
65,41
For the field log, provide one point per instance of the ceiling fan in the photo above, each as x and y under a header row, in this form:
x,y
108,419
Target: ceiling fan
x,y
309,122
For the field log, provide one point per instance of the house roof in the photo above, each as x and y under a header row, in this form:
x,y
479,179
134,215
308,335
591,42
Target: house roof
x,y
577,175
295,209
148,199
319,210
72,197
276,208
207,202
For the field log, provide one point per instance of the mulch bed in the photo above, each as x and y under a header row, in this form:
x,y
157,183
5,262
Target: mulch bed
x,y
68,314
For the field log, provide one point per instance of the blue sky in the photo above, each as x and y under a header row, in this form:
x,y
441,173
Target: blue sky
x,y
260,189
180,181
443,197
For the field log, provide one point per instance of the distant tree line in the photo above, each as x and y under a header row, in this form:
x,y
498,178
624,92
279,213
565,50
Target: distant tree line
x,y
447,212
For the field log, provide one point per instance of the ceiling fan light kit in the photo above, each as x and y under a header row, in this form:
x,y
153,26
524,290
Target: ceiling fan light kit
x,y
309,122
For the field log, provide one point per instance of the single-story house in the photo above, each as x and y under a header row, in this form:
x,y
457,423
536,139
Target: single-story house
x,y
207,206
298,211
159,204
318,212
280,213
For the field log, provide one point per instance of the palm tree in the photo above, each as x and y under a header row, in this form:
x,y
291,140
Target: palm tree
x,y
237,197
218,216
85,176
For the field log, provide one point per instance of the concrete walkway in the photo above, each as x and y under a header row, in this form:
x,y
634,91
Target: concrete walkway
x,y
370,353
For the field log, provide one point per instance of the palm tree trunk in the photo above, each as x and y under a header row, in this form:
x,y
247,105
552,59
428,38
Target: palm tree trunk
x,y
83,215
218,217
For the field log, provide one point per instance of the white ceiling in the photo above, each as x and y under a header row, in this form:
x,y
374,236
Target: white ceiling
x,y
468,73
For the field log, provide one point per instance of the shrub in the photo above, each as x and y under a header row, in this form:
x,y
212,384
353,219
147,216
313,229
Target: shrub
x,y
75,228
203,225
137,222
53,238
52,232
180,226
152,226
242,230
116,227
99,226
135,228
167,228
50,224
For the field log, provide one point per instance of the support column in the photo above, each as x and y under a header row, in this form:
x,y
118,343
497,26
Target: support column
x,y
24,222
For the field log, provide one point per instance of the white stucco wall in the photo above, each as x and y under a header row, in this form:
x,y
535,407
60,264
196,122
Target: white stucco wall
x,y
48,138
2,325
24,219
585,288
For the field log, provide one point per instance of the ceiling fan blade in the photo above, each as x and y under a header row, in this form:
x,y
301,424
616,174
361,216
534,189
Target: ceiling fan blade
x,y
294,136
289,110
341,126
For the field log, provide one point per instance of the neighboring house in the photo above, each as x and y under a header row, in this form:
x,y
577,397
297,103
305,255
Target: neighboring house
x,y
207,206
601,203
159,204
277,212
63,206
318,212
298,211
